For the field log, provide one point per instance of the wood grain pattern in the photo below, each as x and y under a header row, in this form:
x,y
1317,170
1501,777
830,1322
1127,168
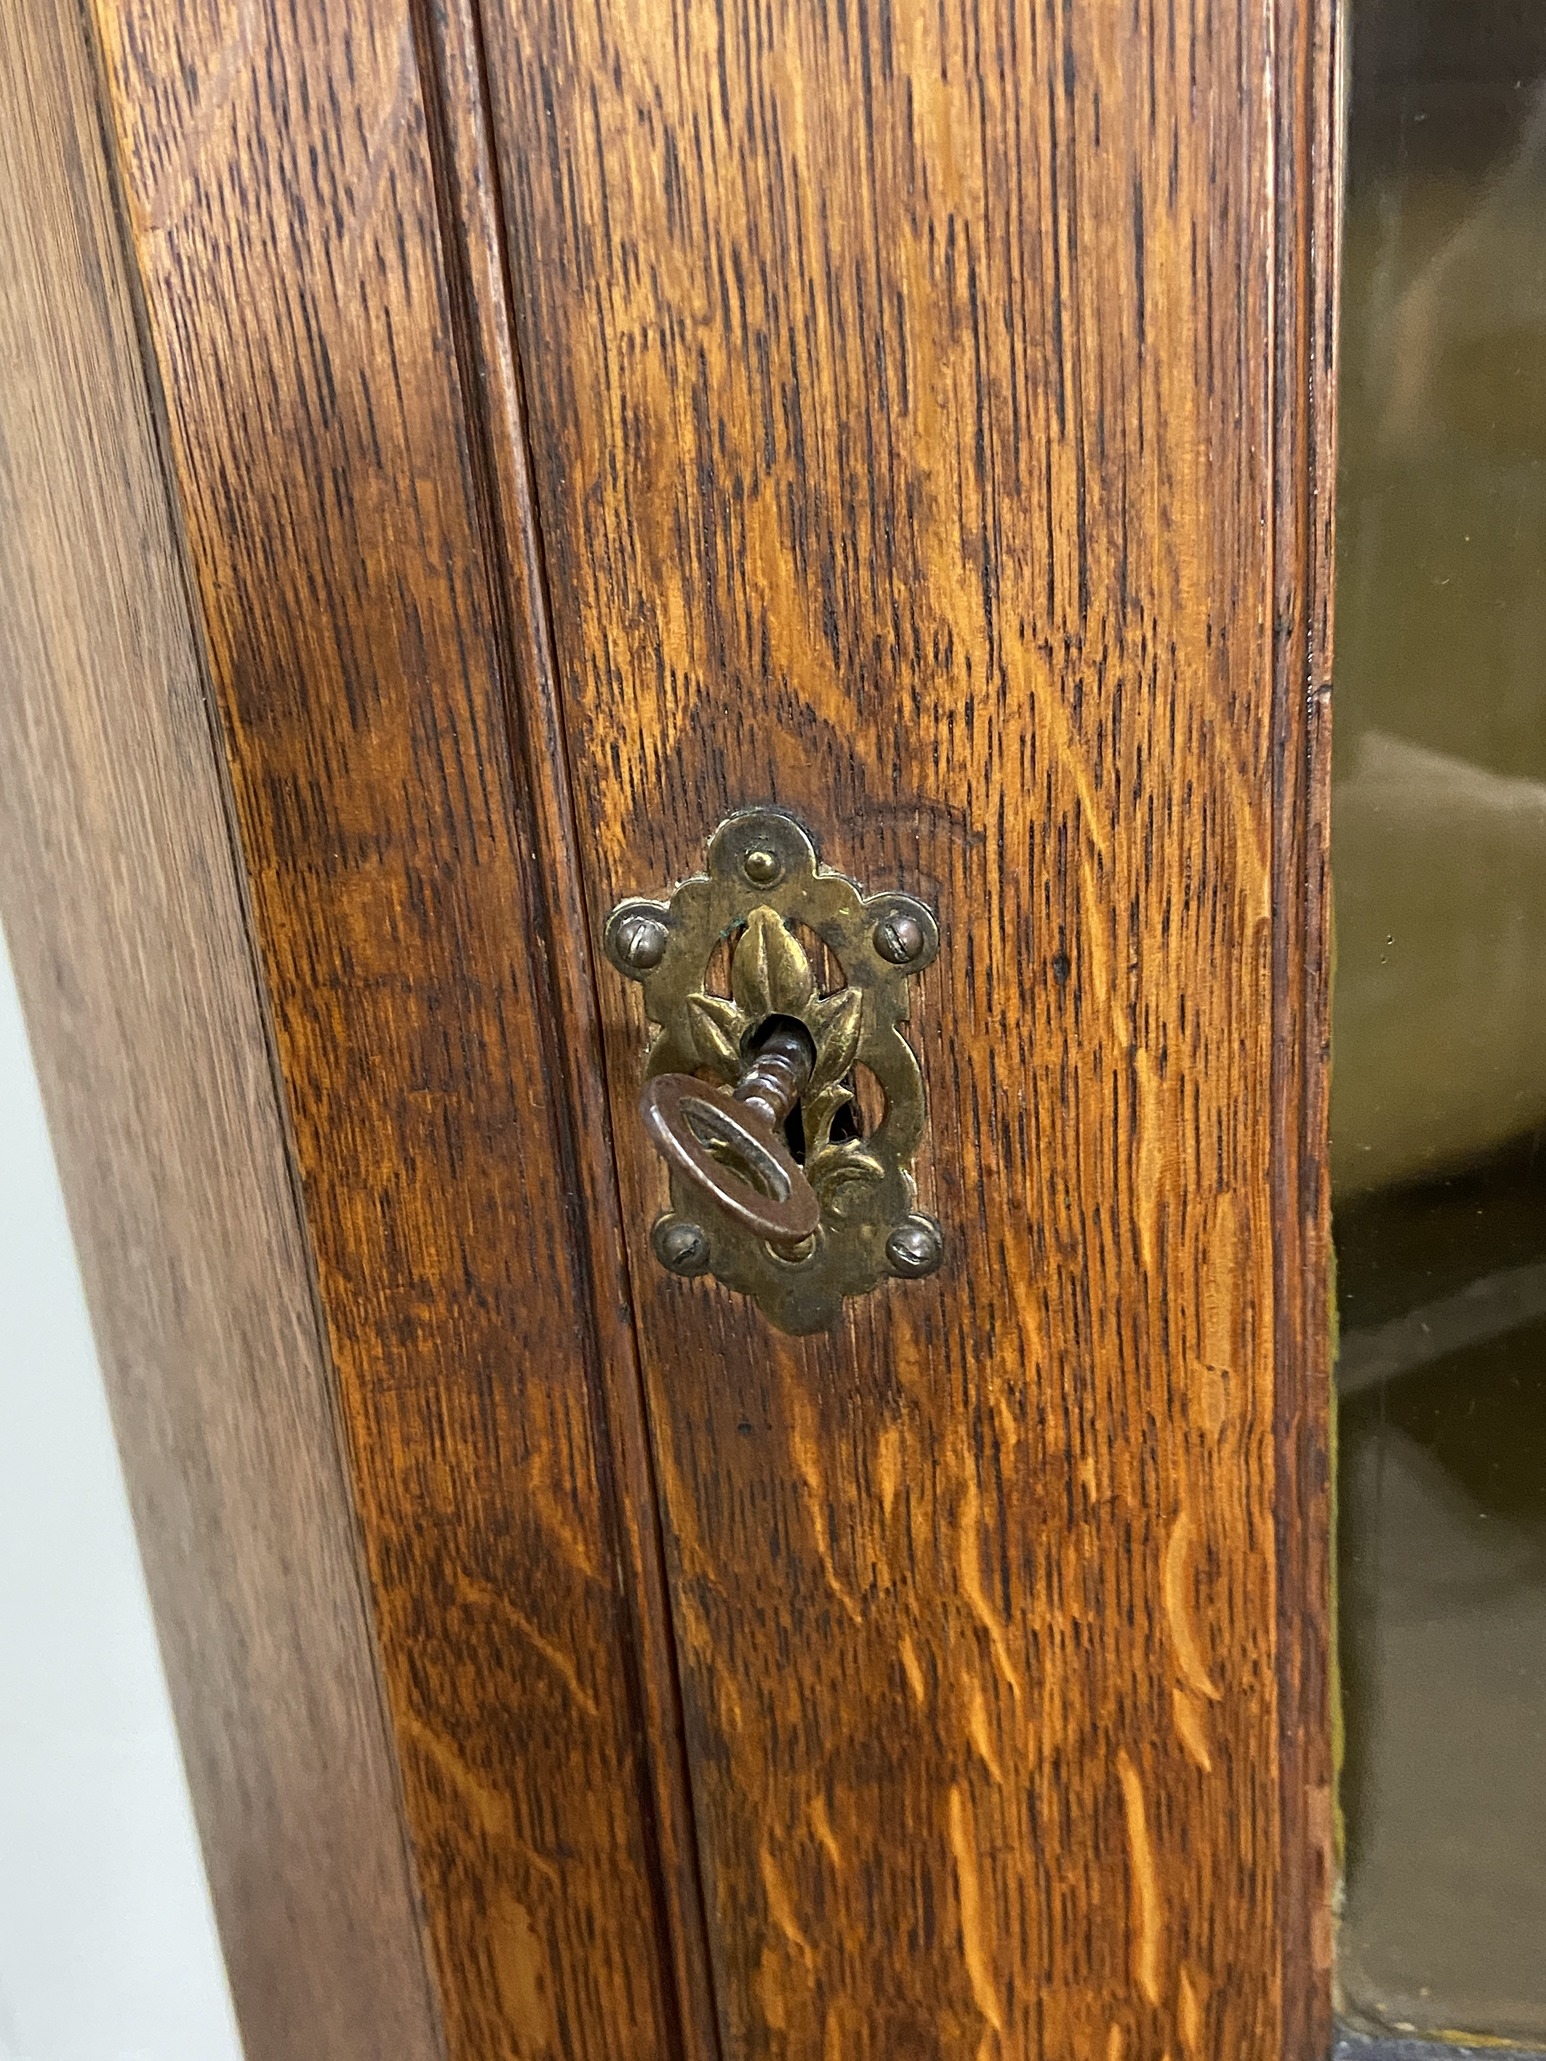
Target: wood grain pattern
x,y
286,207
908,432
495,411
124,913
1309,77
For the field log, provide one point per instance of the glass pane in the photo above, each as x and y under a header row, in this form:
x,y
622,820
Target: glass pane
x,y
1439,1077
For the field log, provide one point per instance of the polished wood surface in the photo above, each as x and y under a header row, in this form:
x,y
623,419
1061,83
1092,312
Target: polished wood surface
x,y
906,412
285,205
123,907
587,421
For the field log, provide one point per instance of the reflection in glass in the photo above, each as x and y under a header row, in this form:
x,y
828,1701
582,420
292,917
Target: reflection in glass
x,y
1439,1076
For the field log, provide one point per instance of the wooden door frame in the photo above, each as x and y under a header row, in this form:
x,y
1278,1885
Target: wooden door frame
x,y
1313,52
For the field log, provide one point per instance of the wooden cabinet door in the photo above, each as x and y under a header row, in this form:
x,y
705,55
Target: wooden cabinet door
x,y
514,438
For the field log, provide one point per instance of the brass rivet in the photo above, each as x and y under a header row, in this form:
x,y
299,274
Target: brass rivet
x,y
641,943
761,866
680,1245
915,1248
899,939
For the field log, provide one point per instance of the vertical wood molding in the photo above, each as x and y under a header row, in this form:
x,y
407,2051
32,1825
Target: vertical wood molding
x,y
474,235
124,912
1307,79
284,211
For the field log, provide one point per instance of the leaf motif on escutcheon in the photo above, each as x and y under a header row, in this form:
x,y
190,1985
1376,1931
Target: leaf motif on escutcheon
x,y
769,973
836,1032
717,1026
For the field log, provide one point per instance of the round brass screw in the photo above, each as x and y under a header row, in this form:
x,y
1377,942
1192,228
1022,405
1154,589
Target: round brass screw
x,y
641,943
761,866
915,1248
681,1246
899,939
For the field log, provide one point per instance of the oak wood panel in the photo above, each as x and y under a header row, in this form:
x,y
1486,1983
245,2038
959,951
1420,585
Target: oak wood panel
x,y
285,206
903,396
124,913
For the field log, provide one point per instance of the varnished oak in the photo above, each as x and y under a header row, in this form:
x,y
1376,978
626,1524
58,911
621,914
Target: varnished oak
x,y
587,421
124,914
914,446
1308,74
287,173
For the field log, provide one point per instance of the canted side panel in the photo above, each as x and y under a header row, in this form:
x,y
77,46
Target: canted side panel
x,y
124,914
285,212
901,390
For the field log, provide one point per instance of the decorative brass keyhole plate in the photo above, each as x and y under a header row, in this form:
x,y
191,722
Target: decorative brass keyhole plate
x,y
750,1096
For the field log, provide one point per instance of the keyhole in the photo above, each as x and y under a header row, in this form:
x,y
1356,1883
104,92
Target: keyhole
x,y
752,1044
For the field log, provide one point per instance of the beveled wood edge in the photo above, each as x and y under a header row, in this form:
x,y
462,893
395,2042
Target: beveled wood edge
x,y
453,65
1309,40
125,911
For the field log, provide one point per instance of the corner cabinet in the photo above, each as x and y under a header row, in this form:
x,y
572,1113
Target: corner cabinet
x,y
773,558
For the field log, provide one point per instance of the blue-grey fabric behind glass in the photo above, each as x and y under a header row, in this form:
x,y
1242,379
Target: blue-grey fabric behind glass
x,y
1353,2046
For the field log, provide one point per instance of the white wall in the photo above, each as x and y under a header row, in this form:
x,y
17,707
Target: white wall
x,y
107,1945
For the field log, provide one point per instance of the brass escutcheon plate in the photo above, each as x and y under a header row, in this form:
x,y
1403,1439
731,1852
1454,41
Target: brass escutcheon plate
x,y
763,876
